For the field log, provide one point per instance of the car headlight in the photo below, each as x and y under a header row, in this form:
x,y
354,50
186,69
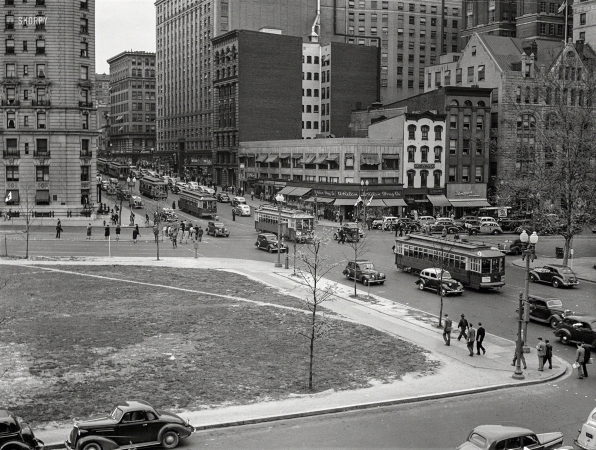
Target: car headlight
x,y
382,275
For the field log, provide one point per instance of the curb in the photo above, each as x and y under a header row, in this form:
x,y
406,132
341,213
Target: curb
x,y
361,406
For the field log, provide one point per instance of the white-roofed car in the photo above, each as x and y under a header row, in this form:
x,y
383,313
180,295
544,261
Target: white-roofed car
x,y
241,210
439,280
238,201
207,189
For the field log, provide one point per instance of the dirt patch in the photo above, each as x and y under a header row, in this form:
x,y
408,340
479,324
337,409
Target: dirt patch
x,y
75,345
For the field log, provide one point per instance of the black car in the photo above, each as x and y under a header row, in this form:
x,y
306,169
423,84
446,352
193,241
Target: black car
x,y
15,434
577,328
438,228
131,423
363,271
440,281
222,197
555,274
268,241
217,229
547,310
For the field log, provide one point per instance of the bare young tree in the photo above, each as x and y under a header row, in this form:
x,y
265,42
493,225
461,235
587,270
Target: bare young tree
x,y
313,266
26,208
360,247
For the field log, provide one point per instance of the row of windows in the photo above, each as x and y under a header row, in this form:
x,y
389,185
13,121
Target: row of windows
x,y
42,173
41,120
411,176
325,76
400,6
42,197
473,75
425,130
449,259
572,97
41,147
465,174
424,151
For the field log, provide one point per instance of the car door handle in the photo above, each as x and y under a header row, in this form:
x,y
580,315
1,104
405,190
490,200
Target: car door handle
x,y
144,424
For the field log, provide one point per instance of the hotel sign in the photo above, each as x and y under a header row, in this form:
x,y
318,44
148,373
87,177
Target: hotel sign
x,y
424,166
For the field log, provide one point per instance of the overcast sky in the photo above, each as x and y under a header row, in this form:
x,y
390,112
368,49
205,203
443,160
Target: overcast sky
x,y
122,25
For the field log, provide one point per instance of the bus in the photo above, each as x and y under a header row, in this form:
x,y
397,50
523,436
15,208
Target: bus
x,y
155,188
475,264
197,204
295,224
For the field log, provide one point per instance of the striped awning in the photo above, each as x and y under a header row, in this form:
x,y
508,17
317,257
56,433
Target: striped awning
x,y
320,159
272,159
438,200
375,202
308,158
299,191
345,201
333,157
394,202
262,158
469,203
287,190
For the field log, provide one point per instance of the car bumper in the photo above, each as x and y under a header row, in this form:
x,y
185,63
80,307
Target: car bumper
x,y
222,234
458,291
570,283
375,281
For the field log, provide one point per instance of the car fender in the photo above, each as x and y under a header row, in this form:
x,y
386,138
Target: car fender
x,y
180,429
418,281
562,331
536,274
16,445
105,443
560,280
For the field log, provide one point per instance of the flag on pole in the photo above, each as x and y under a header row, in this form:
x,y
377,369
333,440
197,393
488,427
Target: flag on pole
x,y
358,201
562,7
370,200
8,197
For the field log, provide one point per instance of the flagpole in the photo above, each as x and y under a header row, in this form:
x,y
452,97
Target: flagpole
x,y
566,14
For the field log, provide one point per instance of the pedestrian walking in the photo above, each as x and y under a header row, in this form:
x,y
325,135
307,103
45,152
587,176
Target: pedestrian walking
x,y
580,361
135,233
471,338
341,219
541,349
132,219
174,237
118,229
200,234
480,333
522,358
233,215
58,229
196,246
252,194
146,218
89,232
549,354
463,326
587,356
342,237
447,330
107,231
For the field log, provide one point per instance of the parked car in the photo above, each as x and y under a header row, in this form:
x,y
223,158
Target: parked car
x,y
425,220
511,246
242,210
462,220
352,232
268,241
486,227
445,221
485,219
501,437
223,197
238,201
377,224
131,423
547,310
15,434
363,271
555,274
438,228
168,215
181,185
586,440
389,223
577,328
408,224
444,285
217,229
193,185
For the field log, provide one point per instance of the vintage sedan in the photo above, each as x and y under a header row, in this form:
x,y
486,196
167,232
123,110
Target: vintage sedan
x,y
268,241
555,274
547,310
223,197
363,271
130,424
437,228
511,246
497,437
217,229
586,439
577,328
15,434
440,281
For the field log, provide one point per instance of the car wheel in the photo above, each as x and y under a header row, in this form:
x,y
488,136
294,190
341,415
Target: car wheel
x,y
533,278
170,439
348,275
556,283
270,250
495,232
553,322
421,286
564,339
365,281
382,282
91,446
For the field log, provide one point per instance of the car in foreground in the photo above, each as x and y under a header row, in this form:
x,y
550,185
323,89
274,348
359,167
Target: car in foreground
x,y
130,424
555,274
577,328
17,435
501,437
440,281
241,210
222,197
217,229
268,241
547,310
238,201
363,271
586,438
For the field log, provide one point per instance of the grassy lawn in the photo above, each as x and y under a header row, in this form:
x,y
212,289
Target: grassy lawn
x,y
75,344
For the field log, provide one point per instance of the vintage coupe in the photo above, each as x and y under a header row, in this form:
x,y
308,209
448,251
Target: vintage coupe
x,y
131,424
443,285
555,274
586,439
14,434
497,437
547,310
364,271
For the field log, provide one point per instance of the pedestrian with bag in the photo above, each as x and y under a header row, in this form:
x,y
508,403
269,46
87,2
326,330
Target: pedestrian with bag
x,y
471,338
480,333
541,349
580,361
463,326
447,330
135,233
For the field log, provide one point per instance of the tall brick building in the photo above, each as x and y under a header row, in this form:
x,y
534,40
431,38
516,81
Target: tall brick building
x,y
48,121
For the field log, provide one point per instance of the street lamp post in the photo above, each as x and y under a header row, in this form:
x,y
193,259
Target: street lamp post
x,y
279,198
518,374
529,254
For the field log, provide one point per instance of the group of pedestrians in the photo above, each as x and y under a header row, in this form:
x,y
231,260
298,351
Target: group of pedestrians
x,y
467,331
178,232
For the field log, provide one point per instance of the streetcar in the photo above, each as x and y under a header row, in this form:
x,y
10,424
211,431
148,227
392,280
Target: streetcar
x,y
197,204
474,264
155,188
102,166
117,170
295,224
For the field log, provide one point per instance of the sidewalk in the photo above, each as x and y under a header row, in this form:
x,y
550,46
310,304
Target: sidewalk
x,y
584,268
490,372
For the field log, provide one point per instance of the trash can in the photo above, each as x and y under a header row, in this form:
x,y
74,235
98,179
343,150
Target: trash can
x,y
559,252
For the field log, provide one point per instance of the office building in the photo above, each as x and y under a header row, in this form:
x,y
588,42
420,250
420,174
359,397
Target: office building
x,y
48,116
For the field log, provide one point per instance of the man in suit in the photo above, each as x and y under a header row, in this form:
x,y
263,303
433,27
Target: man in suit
x,y
541,349
471,338
463,326
447,330
480,333
549,354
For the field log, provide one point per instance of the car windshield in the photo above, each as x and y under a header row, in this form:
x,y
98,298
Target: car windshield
x,y
446,275
116,414
218,225
554,304
367,266
271,238
565,270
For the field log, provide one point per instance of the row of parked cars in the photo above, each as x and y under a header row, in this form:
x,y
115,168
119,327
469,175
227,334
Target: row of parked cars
x,y
429,224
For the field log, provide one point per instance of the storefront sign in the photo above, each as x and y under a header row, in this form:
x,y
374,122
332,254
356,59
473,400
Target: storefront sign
x,y
435,191
338,193
424,166
462,191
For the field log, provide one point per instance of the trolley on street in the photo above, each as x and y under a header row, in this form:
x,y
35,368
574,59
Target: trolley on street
x,y
474,264
295,225
197,204
155,188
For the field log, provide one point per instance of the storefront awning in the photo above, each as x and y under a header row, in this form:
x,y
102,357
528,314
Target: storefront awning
x,y
390,156
469,203
272,158
319,200
320,159
333,157
287,190
375,202
284,156
438,200
262,158
42,196
370,159
394,202
345,201
299,191
308,158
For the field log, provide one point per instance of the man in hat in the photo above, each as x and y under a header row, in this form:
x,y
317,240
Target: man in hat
x,y
447,330
463,326
541,349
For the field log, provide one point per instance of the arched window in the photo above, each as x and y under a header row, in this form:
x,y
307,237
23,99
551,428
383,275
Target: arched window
x,y
481,104
411,132
438,133
518,94
528,94
438,153
411,153
411,174
454,103
437,178
468,103
425,129
423,178
424,153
